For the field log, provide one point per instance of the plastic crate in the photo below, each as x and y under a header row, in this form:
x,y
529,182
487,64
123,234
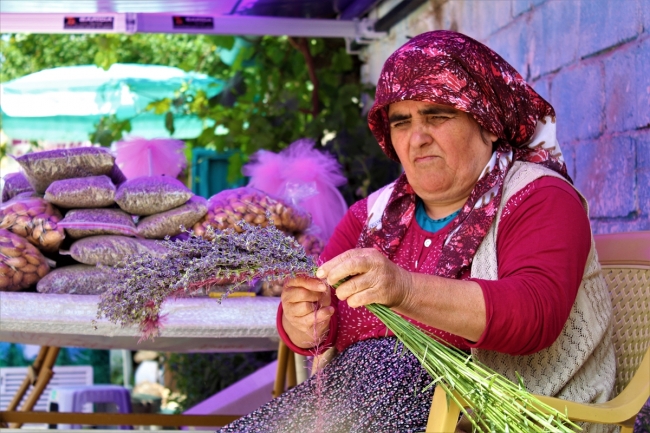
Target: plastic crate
x,y
210,172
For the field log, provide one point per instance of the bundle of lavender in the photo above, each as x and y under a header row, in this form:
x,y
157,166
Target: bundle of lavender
x,y
143,282
498,405
257,252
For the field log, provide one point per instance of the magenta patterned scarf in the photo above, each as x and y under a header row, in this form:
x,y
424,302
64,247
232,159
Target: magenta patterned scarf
x,y
446,67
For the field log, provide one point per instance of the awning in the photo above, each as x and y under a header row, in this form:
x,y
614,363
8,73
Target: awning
x,y
301,18
65,104
310,18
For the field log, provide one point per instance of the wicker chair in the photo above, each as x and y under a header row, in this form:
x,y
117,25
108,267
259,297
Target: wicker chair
x,y
625,260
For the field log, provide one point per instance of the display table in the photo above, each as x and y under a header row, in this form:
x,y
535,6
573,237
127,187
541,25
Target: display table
x,y
190,324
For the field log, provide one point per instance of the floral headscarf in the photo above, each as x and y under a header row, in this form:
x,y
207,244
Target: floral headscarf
x,y
449,68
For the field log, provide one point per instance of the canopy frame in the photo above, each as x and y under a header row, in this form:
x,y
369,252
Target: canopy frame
x,y
361,31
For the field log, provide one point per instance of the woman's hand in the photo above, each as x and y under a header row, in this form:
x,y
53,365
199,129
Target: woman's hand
x,y
306,304
371,278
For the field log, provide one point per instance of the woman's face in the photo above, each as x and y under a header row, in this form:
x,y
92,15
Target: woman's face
x,y
442,150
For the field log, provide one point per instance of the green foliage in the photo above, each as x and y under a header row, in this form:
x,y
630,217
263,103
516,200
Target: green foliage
x,y
110,129
13,356
28,53
198,376
97,358
5,149
24,54
278,90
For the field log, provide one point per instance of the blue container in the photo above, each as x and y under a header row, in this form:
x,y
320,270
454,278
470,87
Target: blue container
x,y
210,172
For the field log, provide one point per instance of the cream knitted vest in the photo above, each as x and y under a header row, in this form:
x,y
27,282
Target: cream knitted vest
x,y
580,365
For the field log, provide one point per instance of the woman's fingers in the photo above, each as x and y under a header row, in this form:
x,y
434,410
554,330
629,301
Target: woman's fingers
x,y
356,284
367,277
322,315
313,322
295,294
350,263
308,283
360,290
299,294
306,304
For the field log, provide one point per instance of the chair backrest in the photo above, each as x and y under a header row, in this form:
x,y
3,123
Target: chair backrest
x,y
12,377
625,260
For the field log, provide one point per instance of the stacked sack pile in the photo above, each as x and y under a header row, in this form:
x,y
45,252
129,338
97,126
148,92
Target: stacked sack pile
x,y
296,188
71,210
77,203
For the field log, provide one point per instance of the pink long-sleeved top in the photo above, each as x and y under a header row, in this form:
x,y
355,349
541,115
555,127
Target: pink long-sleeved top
x,y
543,242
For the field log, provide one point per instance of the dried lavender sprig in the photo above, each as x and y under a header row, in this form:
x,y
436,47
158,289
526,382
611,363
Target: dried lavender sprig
x,y
145,281
255,252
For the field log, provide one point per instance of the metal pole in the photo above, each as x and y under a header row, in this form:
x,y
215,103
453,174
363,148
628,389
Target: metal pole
x,y
127,368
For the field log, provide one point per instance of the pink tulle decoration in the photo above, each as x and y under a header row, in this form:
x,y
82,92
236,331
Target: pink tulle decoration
x,y
265,172
141,157
307,177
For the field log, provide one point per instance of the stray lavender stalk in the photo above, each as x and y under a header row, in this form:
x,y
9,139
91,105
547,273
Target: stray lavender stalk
x,y
146,281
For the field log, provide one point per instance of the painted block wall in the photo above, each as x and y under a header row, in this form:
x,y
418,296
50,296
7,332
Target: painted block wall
x,y
590,59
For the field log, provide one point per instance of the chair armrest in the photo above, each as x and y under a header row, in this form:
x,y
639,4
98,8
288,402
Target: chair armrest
x,y
621,409
444,412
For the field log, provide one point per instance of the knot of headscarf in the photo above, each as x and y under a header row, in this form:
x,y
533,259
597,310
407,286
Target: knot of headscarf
x,y
449,68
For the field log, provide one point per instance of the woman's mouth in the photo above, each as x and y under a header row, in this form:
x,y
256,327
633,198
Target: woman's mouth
x,y
425,158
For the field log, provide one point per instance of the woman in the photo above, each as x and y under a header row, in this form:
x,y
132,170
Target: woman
x,y
482,241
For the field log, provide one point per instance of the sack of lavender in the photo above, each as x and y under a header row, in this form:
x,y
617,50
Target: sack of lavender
x,y
81,192
109,250
14,184
80,223
76,280
172,222
43,168
148,195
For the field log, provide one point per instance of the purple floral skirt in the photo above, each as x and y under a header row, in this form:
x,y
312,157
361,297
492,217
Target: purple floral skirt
x,y
374,386
642,423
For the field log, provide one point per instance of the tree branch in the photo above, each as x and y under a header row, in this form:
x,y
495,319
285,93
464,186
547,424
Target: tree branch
x,y
302,45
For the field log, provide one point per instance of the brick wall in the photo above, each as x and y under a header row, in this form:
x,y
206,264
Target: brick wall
x,y
591,60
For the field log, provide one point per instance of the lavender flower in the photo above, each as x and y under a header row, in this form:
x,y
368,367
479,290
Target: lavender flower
x,y
191,265
642,423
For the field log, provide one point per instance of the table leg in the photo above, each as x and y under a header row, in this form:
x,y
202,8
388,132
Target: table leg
x,y
30,379
44,374
281,372
292,379
301,368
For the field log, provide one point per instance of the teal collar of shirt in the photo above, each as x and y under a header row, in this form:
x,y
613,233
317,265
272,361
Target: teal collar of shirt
x,y
427,223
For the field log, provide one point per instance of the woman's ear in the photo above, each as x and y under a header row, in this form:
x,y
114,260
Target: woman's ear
x,y
488,137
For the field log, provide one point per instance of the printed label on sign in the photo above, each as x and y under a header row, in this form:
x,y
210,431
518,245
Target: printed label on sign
x,y
88,23
181,22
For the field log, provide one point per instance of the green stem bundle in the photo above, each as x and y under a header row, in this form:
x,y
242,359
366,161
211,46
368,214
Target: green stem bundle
x,y
498,404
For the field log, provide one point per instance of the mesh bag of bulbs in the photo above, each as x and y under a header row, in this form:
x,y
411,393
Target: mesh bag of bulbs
x,y
295,189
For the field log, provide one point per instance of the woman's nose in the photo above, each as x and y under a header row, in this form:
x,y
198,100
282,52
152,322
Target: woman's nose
x,y
420,135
